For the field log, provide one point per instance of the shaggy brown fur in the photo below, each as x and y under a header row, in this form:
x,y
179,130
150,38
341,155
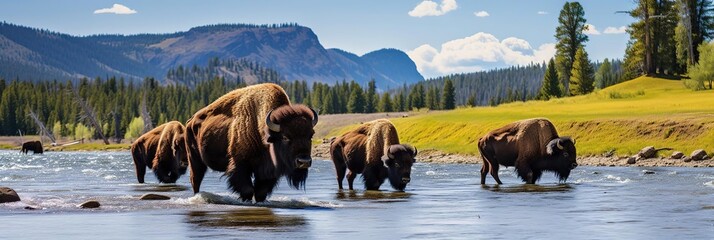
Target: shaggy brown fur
x,y
231,135
531,146
365,150
163,149
34,146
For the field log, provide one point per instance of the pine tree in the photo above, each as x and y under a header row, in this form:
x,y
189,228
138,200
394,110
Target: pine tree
x,y
582,76
471,102
448,99
385,103
371,97
356,103
603,77
570,37
551,86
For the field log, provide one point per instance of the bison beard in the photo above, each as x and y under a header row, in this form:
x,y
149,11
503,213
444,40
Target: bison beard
x,y
532,146
255,136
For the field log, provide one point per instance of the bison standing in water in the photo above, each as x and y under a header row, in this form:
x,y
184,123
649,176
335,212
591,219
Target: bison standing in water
x,y
163,149
373,150
252,132
34,146
532,146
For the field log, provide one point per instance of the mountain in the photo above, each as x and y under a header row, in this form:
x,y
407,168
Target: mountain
x,y
291,50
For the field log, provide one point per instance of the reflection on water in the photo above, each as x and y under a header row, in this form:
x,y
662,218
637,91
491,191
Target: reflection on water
x,y
377,196
148,187
251,218
529,188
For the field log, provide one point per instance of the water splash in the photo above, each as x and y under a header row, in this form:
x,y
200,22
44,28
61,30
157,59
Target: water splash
x,y
273,202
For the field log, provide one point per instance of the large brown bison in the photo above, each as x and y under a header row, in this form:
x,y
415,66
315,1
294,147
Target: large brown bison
x,y
252,132
34,146
373,150
532,146
163,149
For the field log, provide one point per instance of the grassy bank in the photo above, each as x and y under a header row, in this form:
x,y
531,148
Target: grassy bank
x,y
625,117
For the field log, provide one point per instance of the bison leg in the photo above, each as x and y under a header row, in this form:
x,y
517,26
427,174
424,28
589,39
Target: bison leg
x,y
139,164
240,181
263,188
197,169
526,174
350,179
484,171
494,173
340,170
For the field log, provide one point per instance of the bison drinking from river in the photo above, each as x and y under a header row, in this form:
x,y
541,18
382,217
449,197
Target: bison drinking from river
x,y
163,149
373,150
532,146
252,132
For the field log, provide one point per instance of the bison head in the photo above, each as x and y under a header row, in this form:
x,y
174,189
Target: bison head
x,y
399,160
290,130
561,156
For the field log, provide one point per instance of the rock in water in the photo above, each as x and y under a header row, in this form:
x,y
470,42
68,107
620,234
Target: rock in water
x,y
647,152
8,195
677,155
699,154
151,196
648,172
89,204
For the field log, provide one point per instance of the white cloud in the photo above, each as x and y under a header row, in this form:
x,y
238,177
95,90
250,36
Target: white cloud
x,y
482,14
477,52
542,13
431,8
591,30
116,9
614,30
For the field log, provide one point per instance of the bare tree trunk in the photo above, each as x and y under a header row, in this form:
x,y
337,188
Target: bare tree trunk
x,y
88,113
145,116
41,125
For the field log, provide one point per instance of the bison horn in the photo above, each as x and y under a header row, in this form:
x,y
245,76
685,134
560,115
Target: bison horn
x,y
272,126
314,117
389,153
557,143
413,150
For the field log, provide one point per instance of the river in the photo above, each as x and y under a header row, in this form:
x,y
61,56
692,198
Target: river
x,y
443,201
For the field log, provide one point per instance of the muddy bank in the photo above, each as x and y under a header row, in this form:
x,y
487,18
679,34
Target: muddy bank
x,y
322,151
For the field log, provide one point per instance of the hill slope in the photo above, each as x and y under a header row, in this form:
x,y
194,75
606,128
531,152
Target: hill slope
x,y
293,51
624,117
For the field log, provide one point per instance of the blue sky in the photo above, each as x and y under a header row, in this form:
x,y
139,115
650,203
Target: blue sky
x,y
441,36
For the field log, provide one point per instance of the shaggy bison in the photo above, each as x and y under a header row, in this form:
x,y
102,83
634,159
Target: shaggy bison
x,y
373,150
532,146
34,146
163,149
252,132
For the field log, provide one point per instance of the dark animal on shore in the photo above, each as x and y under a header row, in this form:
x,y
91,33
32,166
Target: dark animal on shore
x,y
34,146
163,149
532,146
373,150
252,133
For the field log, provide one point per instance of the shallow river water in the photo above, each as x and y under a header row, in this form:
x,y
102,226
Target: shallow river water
x,y
443,201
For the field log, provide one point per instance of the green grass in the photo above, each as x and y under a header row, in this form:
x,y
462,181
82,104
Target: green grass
x,y
93,146
625,117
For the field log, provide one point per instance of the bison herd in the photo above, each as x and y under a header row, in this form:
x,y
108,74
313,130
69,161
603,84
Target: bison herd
x,y
256,136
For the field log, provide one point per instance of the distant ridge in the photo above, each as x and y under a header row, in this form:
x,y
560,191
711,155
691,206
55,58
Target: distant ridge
x,y
293,51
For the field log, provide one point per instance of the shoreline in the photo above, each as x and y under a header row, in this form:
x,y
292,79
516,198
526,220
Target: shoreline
x,y
321,150
435,156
